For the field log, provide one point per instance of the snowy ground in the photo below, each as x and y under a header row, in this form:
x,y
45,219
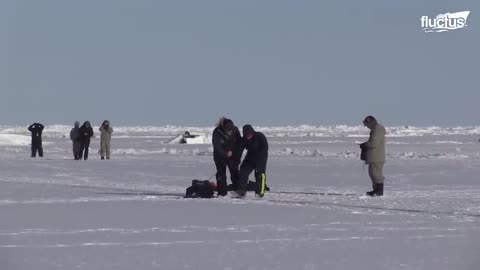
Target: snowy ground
x,y
57,213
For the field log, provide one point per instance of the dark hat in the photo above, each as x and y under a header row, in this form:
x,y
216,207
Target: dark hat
x,y
228,125
247,129
369,119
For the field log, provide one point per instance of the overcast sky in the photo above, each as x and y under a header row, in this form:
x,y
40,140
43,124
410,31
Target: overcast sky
x,y
264,62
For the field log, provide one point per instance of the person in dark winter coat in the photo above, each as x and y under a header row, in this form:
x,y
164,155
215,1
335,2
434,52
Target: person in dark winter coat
x,y
227,152
86,133
255,161
374,154
36,129
75,137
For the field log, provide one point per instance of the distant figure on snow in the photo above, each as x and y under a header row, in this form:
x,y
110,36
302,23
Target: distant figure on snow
x,y
227,152
75,137
374,156
186,136
36,129
105,139
255,161
86,133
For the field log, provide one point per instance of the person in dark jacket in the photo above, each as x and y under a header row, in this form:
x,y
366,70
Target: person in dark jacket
x,y
86,133
227,152
256,160
36,129
75,137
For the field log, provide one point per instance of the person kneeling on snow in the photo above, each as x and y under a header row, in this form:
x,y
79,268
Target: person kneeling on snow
x,y
227,152
256,160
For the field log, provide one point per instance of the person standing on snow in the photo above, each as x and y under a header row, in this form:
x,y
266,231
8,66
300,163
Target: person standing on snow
x,y
374,150
75,137
105,139
86,133
227,152
256,160
36,129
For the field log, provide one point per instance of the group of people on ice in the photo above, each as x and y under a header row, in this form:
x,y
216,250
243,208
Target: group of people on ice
x,y
80,136
228,147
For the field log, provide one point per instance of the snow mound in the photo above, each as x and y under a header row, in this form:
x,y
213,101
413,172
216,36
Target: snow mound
x,y
191,138
14,140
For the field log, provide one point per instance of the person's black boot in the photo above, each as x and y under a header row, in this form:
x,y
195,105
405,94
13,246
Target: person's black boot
x,y
371,193
261,188
379,190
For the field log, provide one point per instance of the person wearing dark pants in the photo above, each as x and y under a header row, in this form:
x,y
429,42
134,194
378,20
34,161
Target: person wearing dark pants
x,y
374,150
86,133
227,152
255,161
75,137
36,129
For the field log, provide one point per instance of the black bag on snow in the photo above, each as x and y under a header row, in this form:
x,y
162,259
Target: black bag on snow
x,y
200,189
363,154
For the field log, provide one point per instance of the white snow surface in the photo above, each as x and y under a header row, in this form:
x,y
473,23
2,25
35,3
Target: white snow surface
x,y
14,140
126,213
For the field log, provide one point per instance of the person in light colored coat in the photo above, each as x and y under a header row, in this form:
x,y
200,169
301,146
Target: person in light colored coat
x,y
375,154
105,139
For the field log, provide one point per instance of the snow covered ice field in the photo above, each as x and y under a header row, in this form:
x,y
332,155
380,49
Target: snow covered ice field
x,y
57,213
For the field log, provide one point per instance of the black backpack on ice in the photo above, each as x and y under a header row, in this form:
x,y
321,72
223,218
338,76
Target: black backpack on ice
x,y
200,189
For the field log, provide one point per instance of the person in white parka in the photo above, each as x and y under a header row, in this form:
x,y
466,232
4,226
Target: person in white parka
x,y
105,139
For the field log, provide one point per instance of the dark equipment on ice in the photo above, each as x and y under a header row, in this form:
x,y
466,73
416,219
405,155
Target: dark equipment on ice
x,y
201,189
206,189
